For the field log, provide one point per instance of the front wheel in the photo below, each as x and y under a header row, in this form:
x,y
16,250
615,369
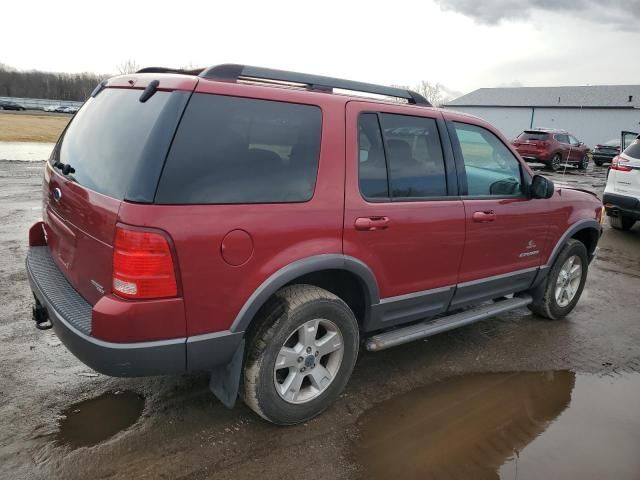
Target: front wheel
x,y
564,284
300,356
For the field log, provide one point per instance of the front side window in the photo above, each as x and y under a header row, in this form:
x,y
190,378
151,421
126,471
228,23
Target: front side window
x,y
242,150
562,138
490,167
400,157
574,141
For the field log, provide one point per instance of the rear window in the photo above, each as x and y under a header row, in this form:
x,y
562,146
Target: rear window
x,y
241,150
105,140
533,136
633,150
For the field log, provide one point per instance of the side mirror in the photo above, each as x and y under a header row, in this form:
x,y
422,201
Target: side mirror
x,y
541,187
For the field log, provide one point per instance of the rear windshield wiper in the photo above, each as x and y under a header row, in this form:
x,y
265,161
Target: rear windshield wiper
x,y
65,168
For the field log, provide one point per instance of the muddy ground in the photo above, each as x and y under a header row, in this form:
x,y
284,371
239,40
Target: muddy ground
x,y
514,396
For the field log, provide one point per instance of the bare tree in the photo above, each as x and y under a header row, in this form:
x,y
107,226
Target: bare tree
x,y
435,93
128,66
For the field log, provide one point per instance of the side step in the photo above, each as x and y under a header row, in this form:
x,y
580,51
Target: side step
x,y
427,328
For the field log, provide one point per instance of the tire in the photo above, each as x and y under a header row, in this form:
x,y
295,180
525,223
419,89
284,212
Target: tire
x,y
546,303
555,162
281,323
621,223
584,163
598,162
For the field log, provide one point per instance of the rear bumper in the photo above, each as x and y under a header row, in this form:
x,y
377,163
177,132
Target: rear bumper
x,y
70,316
617,205
604,157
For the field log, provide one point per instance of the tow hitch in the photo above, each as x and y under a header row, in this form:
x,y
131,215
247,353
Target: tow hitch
x,y
41,317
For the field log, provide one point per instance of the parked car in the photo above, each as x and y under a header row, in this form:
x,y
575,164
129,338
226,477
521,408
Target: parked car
x,y
263,232
63,109
552,147
622,194
7,105
604,152
51,108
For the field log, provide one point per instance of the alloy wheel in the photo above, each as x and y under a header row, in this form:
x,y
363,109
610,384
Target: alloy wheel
x,y
568,281
308,361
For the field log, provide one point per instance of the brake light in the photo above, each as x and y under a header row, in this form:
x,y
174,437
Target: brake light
x,y
615,164
142,265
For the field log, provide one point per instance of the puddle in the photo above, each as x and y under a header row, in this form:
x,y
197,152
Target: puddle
x,y
25,151
506,425
97,419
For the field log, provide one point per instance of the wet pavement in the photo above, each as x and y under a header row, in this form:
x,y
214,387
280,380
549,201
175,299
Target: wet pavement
x,y
515,396
506,425
25,151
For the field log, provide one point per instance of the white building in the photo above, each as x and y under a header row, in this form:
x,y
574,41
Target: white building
x,y
594,114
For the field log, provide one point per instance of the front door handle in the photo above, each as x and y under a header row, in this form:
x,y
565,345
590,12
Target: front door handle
x,y
369,224
483,217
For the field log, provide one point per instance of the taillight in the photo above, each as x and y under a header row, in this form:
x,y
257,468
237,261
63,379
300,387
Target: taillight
x,y
142,265
615,164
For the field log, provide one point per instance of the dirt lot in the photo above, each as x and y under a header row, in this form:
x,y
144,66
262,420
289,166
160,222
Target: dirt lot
x,y
31,126
512,396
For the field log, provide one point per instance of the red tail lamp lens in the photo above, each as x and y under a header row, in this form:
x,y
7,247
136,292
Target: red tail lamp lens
x,y
142,265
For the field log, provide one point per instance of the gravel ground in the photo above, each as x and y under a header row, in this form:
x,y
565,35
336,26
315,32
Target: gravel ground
x,y
184,432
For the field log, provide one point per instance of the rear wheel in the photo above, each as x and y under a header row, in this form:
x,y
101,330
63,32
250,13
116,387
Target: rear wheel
x,y
621,223
564,284
555,162
584,163
301,355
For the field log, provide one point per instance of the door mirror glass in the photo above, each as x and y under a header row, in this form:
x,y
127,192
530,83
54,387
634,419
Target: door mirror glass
x,y
541,187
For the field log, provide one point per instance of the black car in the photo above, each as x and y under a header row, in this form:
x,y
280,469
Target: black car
x,y
604,153
6,105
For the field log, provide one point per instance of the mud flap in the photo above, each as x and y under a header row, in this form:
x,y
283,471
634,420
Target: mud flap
x,y
224,381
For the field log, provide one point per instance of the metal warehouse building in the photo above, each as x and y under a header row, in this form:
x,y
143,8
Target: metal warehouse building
x,y
594,114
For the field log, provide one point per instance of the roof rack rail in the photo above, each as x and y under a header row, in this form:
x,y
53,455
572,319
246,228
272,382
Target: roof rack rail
x,y
234,72
195,71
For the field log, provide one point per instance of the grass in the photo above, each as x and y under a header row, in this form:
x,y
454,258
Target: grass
x,y
31,128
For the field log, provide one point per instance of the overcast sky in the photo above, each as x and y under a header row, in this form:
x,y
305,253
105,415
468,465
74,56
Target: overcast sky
x,y
463,44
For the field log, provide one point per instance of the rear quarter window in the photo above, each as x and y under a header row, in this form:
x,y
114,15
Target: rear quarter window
x,y
240,150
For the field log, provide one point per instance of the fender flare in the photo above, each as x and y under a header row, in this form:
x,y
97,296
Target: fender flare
x,y
302,267
576,227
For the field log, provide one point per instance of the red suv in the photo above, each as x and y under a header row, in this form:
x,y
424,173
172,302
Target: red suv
x,y
251,223
552,147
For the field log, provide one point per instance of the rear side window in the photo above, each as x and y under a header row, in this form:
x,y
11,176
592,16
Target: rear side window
x,y
562,138
633,150
105,140
400,156
533,135
241,150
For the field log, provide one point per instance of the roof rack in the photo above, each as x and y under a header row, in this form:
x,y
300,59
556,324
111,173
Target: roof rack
x,y
233,72
195,71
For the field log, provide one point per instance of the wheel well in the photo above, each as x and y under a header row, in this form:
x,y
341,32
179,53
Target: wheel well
x,y
589,237
343,284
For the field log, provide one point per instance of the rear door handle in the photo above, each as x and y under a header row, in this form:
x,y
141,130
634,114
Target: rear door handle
x,y
369,224
486,216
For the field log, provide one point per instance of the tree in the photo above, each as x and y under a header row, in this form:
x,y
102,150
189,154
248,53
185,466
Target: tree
x,y
128,66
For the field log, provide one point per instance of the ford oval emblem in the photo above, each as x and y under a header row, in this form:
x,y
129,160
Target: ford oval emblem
x,y
57,194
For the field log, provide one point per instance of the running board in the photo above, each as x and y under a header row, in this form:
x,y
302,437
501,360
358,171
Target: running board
x,y
427,328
